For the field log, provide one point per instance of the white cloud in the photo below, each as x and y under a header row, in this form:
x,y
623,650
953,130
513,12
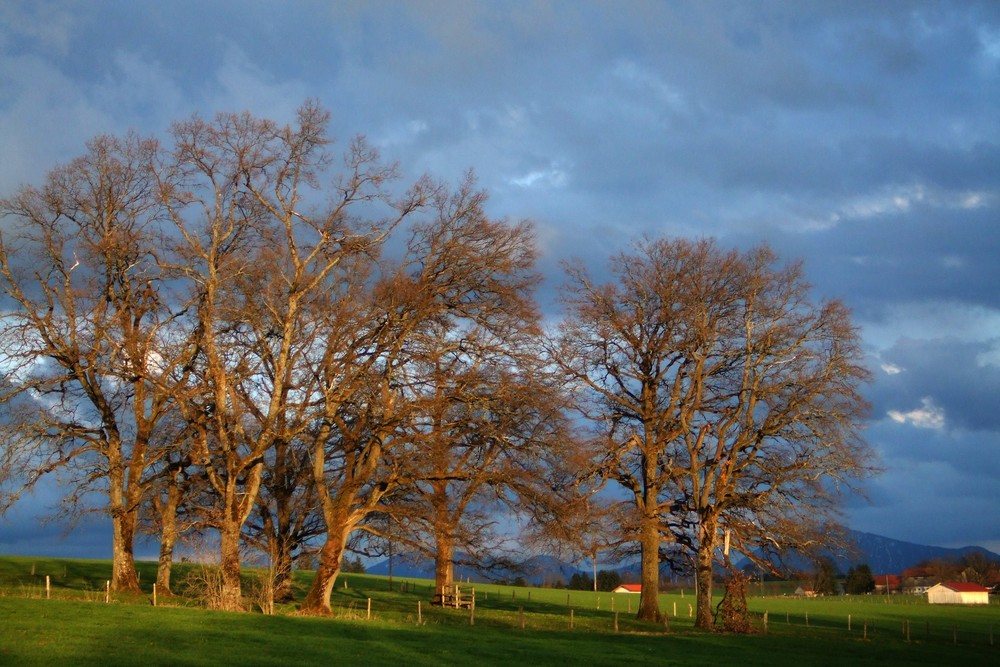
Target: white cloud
x,y
926,416
644,80
989,42
897,199
990,357
931,320
38,100
402,133
49,24
972,200
243,84
892,369
904,198
552,177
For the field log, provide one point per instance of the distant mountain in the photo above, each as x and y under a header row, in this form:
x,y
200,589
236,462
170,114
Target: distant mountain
x,y
404,566
537,570
885,555
889,556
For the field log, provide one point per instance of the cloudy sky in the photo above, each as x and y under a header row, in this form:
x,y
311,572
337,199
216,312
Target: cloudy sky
x,y
863,138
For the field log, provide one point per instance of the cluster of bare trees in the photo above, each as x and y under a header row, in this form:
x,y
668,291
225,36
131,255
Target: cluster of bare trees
x,y
726,403
234,333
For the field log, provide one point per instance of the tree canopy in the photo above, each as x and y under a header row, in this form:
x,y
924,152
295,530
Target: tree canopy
x,y
725,400
235,332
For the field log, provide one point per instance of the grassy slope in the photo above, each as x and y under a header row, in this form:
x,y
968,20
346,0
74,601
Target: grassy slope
x,y
84,630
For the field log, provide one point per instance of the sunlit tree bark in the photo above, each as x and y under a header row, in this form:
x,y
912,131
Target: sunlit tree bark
x,y
460,271
259,254
728,399
83,330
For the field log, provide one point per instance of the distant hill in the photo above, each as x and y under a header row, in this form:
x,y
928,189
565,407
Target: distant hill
x,y
537,570
884,555
889,556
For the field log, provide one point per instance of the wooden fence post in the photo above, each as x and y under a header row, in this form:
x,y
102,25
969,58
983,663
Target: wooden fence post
x,y
369,609
107,591
616,622
848,622
154,594
47,587
570,618
420,613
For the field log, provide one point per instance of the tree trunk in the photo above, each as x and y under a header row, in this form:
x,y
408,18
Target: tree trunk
x,y
230,592
281,564
444,573
318,599
168,537
703,574
123,575
649,604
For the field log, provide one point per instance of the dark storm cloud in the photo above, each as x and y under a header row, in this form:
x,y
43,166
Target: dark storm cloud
x,y
859,137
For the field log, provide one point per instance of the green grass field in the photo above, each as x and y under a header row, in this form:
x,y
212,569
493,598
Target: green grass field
x,y
76,626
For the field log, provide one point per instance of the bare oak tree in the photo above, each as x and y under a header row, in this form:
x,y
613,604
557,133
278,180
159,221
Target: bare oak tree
x,y
728,400
260,250
83,330
482,413
462,272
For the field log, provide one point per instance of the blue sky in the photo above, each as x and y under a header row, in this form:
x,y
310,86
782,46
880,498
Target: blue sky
x,y
860,137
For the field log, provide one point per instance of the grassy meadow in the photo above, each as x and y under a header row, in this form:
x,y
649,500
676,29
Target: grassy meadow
x,y
373,625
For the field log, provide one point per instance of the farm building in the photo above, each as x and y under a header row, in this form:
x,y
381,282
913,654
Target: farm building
x,y
888,583
628,588
958,592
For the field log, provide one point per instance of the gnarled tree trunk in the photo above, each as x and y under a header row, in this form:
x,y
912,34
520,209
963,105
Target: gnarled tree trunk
x,y
704,564
649,603
168,536
327,570
444,569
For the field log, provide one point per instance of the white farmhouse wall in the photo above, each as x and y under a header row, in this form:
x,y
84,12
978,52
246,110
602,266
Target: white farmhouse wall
x,y
941,594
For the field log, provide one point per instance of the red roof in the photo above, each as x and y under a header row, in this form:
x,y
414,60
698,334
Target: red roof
x,y
633,588
965,587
